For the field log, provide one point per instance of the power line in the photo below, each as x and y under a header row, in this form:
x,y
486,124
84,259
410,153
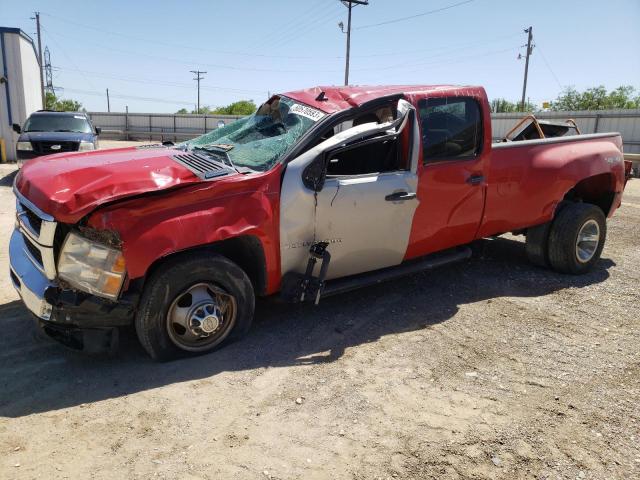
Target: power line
x,y
544,59
303,28
143,80
410,17
235,67
129,97
283,30
185,47
70,59
435,65
458,46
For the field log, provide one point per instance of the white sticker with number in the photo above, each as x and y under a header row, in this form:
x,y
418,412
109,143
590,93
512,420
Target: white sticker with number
x,y
307,112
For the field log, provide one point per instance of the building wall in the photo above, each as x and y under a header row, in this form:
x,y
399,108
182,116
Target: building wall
x,y
20,95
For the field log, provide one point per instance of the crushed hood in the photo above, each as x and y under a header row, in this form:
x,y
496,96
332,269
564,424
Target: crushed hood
x,y
69,186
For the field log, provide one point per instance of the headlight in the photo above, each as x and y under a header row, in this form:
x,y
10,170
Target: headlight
x,y
24,146
91,267
84,146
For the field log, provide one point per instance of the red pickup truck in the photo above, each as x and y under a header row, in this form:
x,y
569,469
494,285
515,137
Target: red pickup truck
x,y
320,191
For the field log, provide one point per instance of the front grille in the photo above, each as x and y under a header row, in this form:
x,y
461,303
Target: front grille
x,y
33,250
204,167
14,279
38,231
34,221
44,147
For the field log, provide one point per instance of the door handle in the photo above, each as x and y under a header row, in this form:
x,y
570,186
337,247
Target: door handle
x,y
400,196
475,179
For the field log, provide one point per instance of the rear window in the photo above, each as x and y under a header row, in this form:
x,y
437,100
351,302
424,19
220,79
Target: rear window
x,y
57,123
451,128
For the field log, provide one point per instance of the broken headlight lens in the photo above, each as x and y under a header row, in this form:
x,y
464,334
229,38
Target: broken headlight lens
x,y
91,266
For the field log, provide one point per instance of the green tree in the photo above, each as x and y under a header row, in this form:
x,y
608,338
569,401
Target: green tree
x,y
500,105
52,102
242,107
597,98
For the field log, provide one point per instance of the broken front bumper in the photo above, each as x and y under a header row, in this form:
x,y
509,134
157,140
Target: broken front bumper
x,y
78,320
28,280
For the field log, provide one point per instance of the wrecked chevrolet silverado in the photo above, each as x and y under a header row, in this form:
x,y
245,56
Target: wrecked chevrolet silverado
x,y
319,192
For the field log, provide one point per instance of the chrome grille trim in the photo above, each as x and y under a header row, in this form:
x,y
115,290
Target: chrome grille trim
x,y
40,238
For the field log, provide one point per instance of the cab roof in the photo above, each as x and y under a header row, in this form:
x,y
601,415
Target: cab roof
x,y
344,98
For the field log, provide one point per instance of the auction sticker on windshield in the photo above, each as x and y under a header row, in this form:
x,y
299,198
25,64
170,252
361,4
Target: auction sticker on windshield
x,y
307,112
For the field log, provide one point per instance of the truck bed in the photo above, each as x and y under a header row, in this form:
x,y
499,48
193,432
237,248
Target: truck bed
x,y
526,178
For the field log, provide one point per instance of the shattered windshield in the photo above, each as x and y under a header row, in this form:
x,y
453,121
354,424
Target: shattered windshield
x,y
259,140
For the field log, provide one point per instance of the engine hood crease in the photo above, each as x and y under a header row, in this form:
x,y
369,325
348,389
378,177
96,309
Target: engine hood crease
x,y
69,186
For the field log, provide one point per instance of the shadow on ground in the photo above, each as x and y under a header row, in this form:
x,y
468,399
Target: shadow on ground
x,y
38,375
7,180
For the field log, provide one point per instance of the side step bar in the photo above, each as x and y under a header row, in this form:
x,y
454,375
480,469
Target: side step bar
x,y
429,262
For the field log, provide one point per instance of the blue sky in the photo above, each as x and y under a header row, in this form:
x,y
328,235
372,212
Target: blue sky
x,y
143,50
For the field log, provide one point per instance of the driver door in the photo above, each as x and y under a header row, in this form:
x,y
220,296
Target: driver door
x,y
366,201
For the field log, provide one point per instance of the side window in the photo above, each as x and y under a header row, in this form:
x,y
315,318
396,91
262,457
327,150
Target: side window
x,y
375,155
451,128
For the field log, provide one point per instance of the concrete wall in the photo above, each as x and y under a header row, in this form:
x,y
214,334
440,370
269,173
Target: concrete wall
x,y
156,126
20,92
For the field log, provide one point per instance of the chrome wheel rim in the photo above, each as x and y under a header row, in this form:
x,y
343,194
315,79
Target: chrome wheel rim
x,y
587,241
201,317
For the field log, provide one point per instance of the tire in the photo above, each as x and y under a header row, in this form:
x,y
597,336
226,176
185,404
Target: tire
x,y
210,293
567,252
537,244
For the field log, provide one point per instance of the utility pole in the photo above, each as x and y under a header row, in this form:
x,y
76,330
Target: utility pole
x,y
108,104
198,74
349,4
526,65
37,19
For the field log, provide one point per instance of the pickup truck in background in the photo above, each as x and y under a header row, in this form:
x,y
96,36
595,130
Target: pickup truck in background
x,y
320,191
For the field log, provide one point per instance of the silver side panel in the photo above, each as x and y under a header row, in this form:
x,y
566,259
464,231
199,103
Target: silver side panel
x,y
365,232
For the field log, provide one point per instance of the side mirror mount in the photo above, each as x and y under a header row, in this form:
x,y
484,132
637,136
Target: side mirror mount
x,y
16,128
315,174
98,130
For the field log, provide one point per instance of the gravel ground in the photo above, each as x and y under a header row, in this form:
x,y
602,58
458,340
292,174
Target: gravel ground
x,y
488,369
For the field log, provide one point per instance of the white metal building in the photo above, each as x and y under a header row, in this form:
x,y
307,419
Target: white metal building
x,y
19,84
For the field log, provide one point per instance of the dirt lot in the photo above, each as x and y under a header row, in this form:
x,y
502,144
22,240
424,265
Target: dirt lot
x,y
487,369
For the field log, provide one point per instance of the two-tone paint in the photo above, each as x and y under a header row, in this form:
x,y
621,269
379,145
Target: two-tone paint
x,y
159,208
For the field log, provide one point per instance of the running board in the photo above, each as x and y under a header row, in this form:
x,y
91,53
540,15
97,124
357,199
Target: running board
x,y
429,262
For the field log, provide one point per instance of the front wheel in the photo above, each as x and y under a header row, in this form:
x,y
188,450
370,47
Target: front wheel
x,y
577,238
193,305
